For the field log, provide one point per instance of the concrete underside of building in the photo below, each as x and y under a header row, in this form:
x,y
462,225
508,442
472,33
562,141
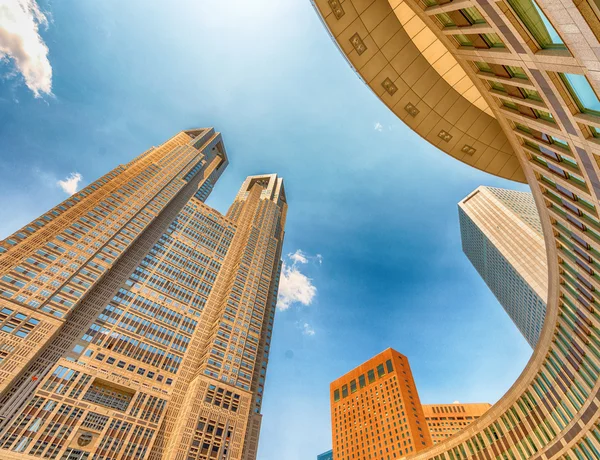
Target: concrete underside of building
x,y
505,86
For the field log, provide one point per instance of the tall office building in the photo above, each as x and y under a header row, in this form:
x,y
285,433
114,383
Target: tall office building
x,y
376,412
502,237
326,455
444,420
135,321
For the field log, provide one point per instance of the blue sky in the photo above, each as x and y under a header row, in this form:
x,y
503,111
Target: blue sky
x,y
379,205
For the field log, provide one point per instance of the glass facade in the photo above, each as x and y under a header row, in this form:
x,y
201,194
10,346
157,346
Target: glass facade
x,y
520,300
326,455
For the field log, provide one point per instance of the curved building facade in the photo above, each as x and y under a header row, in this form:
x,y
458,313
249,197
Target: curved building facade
x,y
509,87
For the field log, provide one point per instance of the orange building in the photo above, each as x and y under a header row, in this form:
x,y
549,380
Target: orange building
x,y
376,412
444,420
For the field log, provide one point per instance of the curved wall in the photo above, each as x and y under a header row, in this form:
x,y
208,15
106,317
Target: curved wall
x,y
516,114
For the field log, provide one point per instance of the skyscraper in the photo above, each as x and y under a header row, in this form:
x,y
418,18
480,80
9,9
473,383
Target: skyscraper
x,y
376,412
502,237
326,455
445,420
136,321
509,87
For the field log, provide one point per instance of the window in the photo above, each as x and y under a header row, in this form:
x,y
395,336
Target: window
x,y
473,15
462,40
483,66
389,366
493,40
353,386
582,93
445,20
336,395
537,24
371,376
544,115
380,370
344,391
361,381
497,86
516,71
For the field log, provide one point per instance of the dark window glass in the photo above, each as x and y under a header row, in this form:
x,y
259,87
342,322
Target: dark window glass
x,y
388,365
361,381
371,375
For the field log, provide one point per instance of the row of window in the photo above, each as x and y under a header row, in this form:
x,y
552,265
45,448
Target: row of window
x,y
362,380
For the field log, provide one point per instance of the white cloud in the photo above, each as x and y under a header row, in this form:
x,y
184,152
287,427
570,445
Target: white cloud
x,y
307,329
298,257
20,42
69,185
294,286
378,126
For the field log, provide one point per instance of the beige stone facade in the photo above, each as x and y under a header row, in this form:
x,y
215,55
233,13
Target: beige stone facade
x,y
135,320
537,68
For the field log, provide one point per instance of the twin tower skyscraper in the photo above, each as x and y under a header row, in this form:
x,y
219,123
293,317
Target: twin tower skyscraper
x,y
135,321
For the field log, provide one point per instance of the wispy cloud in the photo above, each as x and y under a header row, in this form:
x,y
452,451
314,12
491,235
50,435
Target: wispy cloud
x,y
298,257
307,329
295,286
378,126
70,183
21,42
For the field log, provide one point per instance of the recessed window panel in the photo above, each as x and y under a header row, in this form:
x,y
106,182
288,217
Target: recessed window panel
x,y
516,71
559,142
473,15
445,20
531,94
483,66
493,40
497,86
462,40
582,92
537,23
544,115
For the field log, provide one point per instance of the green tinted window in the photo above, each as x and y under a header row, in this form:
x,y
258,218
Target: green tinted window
x,y
493,40
559,142
483,66
544,115
462,40
531,94
582,93
497,86
353,386
516,71
380,370
388,365
532,145
371,376
336,395
510,105
473,15
523,128
445,20
537,23
361,381
344,391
